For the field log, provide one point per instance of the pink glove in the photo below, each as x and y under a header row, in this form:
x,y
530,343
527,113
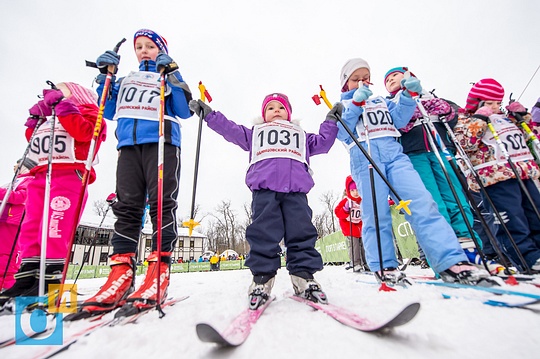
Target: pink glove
x,y
40,109
484,111
516,107
52,97
31,122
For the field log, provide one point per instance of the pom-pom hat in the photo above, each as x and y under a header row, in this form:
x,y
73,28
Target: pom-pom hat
x,y
281,98
160,41
484,90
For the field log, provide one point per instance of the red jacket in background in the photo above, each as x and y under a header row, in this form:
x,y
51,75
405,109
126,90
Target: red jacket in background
x,y
349,221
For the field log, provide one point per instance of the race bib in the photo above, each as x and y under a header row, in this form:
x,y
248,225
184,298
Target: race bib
x,y
139,97
355,213
63,147
378,121
512,139
278,139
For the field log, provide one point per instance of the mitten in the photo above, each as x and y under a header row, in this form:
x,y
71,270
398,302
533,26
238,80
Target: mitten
x,y
200,108
361,94
165,62
335,113
411,84
40,109
107,58
484,111
516,107
52,97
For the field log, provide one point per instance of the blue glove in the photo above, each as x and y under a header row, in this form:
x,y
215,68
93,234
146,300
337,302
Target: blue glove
x,y
361,94
411,84
107,58
165,62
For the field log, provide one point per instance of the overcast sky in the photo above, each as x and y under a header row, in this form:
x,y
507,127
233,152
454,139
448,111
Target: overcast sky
x,y
244,49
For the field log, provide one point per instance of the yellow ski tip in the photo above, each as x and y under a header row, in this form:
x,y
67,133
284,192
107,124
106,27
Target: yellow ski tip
x,y
405,205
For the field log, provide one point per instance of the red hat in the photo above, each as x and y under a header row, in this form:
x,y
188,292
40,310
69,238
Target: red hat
x,y
281,98
484,90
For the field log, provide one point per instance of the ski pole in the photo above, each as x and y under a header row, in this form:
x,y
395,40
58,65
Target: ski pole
x,y
13,246
192,223
46,203
111,70
512,166
402,203
161,150
465,158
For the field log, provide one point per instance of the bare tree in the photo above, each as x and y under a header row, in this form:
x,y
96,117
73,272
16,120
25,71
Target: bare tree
x,y
224,231
100,207
326,221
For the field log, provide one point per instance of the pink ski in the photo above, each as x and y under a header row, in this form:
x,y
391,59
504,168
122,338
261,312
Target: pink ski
x,y
237,332
353,320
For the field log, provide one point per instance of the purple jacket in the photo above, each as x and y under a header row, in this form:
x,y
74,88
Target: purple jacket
x,y
275,174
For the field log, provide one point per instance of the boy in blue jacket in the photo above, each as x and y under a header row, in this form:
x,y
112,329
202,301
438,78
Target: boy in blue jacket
x,y
279,178
134,103
384,118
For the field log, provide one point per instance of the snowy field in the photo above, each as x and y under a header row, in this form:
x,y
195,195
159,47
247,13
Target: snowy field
x,y
444,328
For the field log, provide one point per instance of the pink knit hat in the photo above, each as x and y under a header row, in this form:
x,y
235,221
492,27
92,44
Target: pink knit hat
x,y
281,98
81,95
484,90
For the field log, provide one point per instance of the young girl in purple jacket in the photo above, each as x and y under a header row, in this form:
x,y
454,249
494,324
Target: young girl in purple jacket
x,y
279,178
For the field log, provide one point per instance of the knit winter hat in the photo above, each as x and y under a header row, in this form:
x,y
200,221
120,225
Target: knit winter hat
x,y
160,41
401,69
484,90
352,186
351,66
81,95
281,98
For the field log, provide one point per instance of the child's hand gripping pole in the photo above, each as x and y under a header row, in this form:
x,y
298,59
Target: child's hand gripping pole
x,y
205,95
402,204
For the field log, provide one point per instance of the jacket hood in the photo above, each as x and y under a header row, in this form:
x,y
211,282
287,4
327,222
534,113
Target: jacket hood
x,y
348,182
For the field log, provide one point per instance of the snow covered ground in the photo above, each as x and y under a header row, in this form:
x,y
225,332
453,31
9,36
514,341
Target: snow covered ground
x,y
444,328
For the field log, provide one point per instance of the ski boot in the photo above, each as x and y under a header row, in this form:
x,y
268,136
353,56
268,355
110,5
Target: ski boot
x,y
27,282
306,286
145,297
119,285
260,289
464,273
392,276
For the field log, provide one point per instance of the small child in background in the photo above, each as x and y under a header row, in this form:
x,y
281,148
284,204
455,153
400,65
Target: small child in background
x,y
10,223
349,213
279,178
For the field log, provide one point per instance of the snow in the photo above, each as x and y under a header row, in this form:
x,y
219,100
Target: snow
x,y
443,328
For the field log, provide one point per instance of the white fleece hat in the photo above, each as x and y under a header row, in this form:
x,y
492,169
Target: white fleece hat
x,y
351,66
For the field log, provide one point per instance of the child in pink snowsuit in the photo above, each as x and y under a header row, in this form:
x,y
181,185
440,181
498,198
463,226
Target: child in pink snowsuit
x,y
76,113
10,222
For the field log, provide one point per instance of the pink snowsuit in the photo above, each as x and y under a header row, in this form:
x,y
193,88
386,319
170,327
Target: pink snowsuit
x,y
76,118
10,222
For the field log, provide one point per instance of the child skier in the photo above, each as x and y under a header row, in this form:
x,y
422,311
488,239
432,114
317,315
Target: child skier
x,y
350,220
500,182
414,139
433,233
76,113
134,103
10,223
279,178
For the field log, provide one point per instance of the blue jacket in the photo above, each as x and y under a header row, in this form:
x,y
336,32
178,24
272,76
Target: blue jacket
x,y
276,174
401,114
132,131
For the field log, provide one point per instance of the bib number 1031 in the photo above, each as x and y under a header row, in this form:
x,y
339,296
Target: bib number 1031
x,y
283,137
